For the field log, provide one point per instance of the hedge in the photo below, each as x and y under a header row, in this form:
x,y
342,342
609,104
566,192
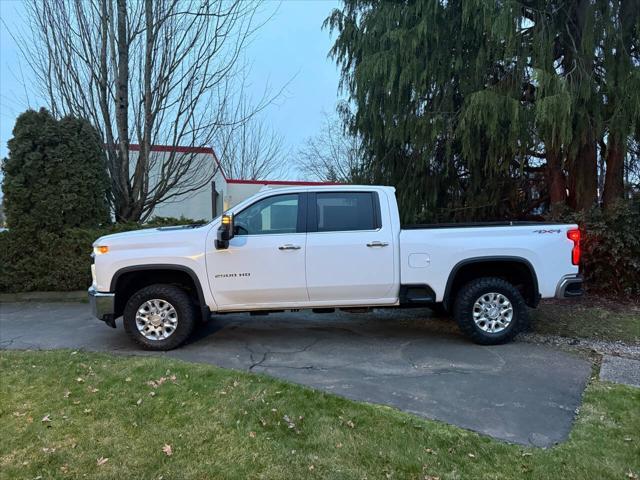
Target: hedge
x,y
45,261
611,250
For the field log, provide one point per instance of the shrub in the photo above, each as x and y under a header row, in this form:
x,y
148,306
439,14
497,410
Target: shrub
x,y
55,175
55,261
610,248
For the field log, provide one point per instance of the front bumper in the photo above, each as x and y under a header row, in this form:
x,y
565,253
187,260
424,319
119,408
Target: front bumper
x,y
102,306
570,286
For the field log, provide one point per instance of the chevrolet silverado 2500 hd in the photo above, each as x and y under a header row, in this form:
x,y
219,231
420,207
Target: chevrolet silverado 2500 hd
x,y
329,247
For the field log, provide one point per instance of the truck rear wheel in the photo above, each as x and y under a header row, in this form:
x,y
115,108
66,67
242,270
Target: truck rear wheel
x,y
490,311
159,317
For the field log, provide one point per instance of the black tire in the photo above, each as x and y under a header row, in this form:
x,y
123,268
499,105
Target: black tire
x,y
464,305
182,303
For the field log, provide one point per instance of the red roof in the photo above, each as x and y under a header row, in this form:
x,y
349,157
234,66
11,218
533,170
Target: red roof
x,y
208,150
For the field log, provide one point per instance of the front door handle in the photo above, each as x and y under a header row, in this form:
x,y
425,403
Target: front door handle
x,y
289,246
377,244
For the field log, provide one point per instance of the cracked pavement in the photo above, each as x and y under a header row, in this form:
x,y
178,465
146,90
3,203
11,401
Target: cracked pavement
x,y
520,392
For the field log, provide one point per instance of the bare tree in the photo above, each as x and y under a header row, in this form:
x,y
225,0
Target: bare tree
x,y
250,149
147,72
332,154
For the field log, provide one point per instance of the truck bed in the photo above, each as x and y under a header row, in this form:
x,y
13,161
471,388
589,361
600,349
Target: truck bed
x,y
429,253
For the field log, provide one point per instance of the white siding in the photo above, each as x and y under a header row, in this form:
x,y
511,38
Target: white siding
x,y
197,205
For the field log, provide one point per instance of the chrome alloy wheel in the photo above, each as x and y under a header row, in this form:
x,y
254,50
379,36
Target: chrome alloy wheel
x,y
492,312
156,319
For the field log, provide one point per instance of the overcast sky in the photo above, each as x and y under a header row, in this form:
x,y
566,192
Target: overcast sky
x,y
291,49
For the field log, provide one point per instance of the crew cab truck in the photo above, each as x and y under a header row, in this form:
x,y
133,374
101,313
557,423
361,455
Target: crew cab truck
x,y
324,248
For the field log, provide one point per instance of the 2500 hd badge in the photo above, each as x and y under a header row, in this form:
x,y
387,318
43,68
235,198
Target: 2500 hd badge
x,y
231,275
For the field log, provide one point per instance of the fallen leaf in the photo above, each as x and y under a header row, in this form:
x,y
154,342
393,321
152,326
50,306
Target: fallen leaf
x,y
338,445
18,414
80,380
128,379
527,454
64,468
632,475
152,394
139,401
429,450
311,468
46,418
87,410
350,424
67,393
290,424
471,455
167,450
48,450
252,434
92,389
102,461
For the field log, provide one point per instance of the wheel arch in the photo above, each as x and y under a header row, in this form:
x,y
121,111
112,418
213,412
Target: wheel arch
x,y
128,280
517,270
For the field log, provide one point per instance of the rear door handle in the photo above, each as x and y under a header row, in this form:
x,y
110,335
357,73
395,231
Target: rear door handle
x,y
377,244
289,246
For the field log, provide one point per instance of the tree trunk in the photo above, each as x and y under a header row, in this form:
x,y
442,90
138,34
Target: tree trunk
x,y
555,178
122,112
583,176
614,178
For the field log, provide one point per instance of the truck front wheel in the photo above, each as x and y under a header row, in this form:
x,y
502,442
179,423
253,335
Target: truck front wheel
x,y
159,317
490,311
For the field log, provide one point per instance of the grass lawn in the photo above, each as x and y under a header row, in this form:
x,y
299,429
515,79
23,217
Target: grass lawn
x,y
588,318
72,415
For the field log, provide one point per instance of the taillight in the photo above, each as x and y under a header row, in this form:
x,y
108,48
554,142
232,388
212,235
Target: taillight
x,y
574,236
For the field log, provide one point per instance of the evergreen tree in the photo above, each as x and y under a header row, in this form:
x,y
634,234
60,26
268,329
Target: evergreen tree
x,y
55,176
461,103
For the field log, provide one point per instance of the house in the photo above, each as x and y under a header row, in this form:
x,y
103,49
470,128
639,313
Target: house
x,y
220,194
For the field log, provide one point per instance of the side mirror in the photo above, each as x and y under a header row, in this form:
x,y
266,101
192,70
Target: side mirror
x,y
225,232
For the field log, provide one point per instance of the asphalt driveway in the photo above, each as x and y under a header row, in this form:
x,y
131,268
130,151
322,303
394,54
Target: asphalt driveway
x,y
520,392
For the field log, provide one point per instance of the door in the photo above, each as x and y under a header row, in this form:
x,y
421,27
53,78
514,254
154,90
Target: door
x,y
350,255
265,261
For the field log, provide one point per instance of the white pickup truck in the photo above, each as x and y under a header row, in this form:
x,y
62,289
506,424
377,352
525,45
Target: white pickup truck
x,y
324,248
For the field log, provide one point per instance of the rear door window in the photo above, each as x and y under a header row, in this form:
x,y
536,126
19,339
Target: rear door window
x,y
346,211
